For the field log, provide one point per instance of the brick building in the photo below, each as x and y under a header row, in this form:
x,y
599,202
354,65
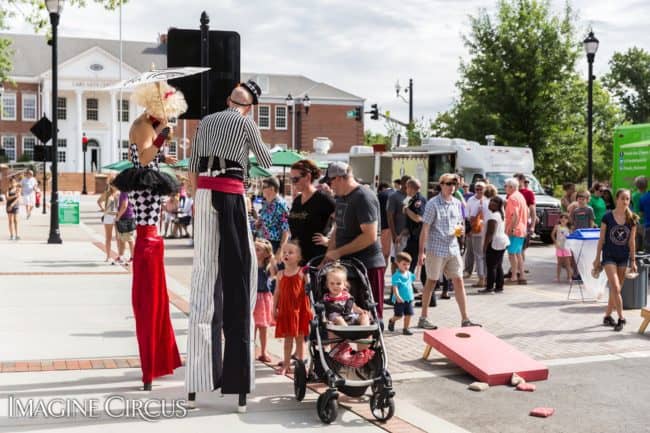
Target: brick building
x,y
88,66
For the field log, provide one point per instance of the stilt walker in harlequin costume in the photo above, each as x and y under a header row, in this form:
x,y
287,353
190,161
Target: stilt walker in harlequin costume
x,y
224,273
146,184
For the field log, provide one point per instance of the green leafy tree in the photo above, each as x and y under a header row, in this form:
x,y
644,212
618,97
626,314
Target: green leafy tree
x,y
35,13
520,84
629,81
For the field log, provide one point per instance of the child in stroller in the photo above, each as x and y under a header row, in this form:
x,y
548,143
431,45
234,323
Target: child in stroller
x,y
341,310
345,311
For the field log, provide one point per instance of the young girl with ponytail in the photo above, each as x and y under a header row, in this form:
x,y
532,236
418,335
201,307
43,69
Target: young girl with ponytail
x,y
616,243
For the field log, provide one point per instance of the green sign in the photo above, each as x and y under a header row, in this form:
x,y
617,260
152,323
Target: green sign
x,y
351,114
68,209
631,154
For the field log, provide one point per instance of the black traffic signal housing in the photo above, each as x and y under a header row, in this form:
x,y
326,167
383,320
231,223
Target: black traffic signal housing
x,y
374,112
358,112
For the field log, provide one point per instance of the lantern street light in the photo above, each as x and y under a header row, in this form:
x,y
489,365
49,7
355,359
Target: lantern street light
x,y
54,7
591,46
290,105
408,90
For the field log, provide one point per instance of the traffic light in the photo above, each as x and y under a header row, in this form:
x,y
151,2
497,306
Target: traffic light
x,y
358,112
374,113
84,142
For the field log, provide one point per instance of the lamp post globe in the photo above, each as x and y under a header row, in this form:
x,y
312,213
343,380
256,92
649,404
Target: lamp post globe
x,y
307,103
591,46
54,7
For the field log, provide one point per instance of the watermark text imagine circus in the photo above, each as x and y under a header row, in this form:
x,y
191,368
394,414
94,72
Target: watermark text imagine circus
x,y
114,406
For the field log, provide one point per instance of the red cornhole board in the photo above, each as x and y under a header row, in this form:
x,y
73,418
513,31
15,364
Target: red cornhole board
x,y
484,356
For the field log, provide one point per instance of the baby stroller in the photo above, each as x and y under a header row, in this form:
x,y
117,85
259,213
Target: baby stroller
x,y
351,381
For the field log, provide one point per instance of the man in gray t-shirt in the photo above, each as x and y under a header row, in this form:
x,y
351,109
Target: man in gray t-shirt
x,y
397,217
356,233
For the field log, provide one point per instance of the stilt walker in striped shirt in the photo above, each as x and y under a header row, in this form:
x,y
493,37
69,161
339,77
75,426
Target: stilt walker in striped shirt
x,y
224,273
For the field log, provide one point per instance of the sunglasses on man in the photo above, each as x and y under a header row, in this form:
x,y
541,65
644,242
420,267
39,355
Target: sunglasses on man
x,y
450,183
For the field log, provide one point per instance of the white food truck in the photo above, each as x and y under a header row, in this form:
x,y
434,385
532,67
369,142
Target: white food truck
x,y
444,155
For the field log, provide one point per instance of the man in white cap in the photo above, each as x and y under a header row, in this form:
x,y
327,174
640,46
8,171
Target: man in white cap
x,y
224,273
356,233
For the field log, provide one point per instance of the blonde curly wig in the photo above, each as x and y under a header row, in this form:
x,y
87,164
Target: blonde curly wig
x,y
160,100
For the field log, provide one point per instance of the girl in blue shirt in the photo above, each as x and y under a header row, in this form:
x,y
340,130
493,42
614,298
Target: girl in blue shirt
x,y
616,243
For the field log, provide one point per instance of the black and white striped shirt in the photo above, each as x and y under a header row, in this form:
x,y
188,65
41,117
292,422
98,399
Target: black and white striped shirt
x,y
229,135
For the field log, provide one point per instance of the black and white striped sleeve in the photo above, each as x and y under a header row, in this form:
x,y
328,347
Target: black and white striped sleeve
x,y
199,143
257,146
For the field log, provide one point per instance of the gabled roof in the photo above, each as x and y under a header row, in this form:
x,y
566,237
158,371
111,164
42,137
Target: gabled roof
x,y
32,58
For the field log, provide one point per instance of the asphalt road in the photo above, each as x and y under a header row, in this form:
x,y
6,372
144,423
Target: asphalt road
x,y
596,397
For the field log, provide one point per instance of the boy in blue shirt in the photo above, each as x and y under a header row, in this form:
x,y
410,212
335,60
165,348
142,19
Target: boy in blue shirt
x,y
402,288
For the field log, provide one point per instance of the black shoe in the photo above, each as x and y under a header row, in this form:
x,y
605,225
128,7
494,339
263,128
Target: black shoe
x,y
498,290
391,326
146,386
486,291
445,295
407,331
508,275
608,321
619,325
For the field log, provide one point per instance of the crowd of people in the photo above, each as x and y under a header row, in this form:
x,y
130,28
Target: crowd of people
x,y
439,235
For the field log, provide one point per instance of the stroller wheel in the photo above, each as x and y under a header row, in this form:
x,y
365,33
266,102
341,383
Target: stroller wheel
x,y
300,380
327,407
382,406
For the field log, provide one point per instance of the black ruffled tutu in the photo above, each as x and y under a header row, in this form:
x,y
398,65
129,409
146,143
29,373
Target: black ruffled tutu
x,y
139,179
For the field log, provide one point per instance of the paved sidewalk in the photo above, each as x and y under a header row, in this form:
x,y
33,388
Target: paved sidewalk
x,y
65,309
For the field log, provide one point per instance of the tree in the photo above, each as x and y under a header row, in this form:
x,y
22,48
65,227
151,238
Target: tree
x,y
629,81
35,13
520,84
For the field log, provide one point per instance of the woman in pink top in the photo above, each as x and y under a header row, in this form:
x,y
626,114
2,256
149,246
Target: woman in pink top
x,y
516,226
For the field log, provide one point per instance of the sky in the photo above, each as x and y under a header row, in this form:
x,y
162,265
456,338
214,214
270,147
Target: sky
x,y
362,47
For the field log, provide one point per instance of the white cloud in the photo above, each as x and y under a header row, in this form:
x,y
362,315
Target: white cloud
x,y
362,47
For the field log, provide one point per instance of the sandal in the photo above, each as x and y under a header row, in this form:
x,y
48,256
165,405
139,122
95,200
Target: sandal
x,y
264,358
522,282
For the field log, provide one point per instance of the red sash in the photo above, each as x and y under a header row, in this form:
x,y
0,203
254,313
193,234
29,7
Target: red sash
x,y
222,184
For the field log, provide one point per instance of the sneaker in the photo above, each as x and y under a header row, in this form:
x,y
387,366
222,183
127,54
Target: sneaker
x,y
467,323
11,238
407,331
486,291
426,324
609,321
391,326
619,325
119,260
16,238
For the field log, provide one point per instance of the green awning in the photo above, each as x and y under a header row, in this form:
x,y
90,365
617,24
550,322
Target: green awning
x,y
124,164
282,158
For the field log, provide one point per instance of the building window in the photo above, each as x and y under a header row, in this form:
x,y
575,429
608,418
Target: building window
x,y
9,147
29,106
61,108
62,142
172,148
92,109
264,117
9,106
122,110
280,117
61,155
29,142
124,150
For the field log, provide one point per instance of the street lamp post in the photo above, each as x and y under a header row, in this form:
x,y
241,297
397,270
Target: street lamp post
x,y
54,7
84,148
591,46
290,105
398,88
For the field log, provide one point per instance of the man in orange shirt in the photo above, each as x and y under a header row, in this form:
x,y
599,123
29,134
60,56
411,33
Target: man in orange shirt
x,y
516,228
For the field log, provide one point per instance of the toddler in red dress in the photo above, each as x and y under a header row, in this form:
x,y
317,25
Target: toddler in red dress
x,y
291,308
